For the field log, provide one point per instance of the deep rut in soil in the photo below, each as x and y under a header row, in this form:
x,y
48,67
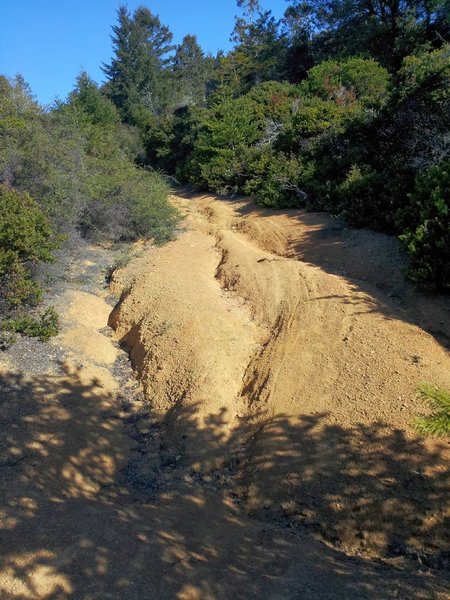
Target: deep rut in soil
x,y
275,388
297,381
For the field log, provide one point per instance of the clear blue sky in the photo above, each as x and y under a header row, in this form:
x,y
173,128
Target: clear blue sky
x,y
50,41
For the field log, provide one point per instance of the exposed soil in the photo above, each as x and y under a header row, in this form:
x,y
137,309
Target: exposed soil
x,y
288,348
269,452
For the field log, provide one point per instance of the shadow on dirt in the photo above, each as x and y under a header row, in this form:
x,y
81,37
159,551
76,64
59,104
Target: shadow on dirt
x,y
84,515
374,263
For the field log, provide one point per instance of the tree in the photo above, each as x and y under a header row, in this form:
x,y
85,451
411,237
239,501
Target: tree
x,y
87,98
137,75
258,51
387,30
298,33
191,71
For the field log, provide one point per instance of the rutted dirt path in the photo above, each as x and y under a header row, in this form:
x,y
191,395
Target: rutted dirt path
x,y
273,388
287,349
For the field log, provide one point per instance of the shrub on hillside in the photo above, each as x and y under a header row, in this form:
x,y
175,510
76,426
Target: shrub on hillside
x,y
44,327
127,202
428,243
76,162
275,179
121,200
348,81
228,129
25,239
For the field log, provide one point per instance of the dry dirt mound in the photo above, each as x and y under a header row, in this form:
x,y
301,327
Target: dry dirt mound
x,y
309,400
103,496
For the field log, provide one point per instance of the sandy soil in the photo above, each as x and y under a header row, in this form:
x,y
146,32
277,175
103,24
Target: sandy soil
x,y
275,388
289,348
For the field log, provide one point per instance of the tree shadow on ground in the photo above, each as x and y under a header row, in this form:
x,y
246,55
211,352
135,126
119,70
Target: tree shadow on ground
x,y
99,504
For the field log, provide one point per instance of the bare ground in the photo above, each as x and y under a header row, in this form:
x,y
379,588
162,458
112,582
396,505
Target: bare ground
x,y
271,455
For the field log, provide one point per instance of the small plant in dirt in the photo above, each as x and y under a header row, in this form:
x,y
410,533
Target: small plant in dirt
x,y
44,327
438,422
6,340
122,260
163,327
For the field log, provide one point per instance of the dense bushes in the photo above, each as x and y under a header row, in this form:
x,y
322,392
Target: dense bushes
x,y
43,327
429,243
77,162
25,239
348,81
350,139
67,171
120,200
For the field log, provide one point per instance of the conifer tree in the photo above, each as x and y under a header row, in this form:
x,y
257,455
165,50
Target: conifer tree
x,y
88,99
258,47
191,70
387,30
137,75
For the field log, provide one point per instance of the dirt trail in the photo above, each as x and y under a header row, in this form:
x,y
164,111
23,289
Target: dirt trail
x,y
249,359
309,403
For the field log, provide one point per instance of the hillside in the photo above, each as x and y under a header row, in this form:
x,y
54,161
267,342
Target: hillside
x,y
269,453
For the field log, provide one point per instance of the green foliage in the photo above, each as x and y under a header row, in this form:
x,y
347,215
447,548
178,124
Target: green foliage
x,y
17,286
77,162
127,202
348,81
219,159
137,79
25,239
91,104
385,31
313,119
438,423
44,327
360,183
151,214
259,50
383,167
275,180
278,100
191,72
41,155
426,73
25,231
428,244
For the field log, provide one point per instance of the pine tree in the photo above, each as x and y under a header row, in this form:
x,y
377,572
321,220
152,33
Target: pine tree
x,y
89,100
387,30
258,51
137,75
192,71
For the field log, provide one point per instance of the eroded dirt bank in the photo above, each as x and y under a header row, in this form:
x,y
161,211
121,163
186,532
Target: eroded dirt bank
x,y
104,494
284,350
